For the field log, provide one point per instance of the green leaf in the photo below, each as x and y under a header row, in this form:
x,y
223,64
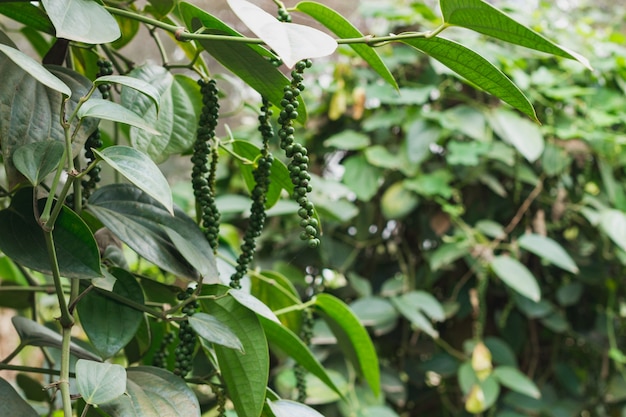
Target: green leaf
x,y
513,379
524,135
34,334
286,408
548,249
35,70
248,62
279,176
475,69
516,276
254,304
246,374
342,27
22,239
448,253
397,201
377,313
82,20
287,341
98,382
413,314
33,389
352,337
214,331
613,223
177,119
349,140
482,17
290,41
362,178
36,160
136,84
277,292
29,15
108,110
420,135
109,324
482,395
12,403
139,170
154,392
142,223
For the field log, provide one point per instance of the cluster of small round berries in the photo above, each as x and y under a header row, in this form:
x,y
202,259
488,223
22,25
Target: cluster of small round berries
x,y
261,175
203,174
93,142
283,15
183,354
306,333
299,164
160,357
105,68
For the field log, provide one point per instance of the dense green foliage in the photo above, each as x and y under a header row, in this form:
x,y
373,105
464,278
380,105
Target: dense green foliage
x,y
403,237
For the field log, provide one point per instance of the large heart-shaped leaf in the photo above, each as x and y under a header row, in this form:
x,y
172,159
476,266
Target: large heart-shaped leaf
x,y
109,324
82,20
292,42
98,382
12,403
36,160
22,239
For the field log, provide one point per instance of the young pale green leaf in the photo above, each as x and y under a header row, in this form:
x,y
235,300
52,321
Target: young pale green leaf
x,y
342,27
548,249
139,170
514,274
109,324
246,374
286,408
524,135
82,20
482,17
99,382
249,62
513,379
287,341
212,330
154,392
108,110
12,403
141,86
35,70
22,239
292,42
36,160
34,334
352,337
250,301
476,70
613,223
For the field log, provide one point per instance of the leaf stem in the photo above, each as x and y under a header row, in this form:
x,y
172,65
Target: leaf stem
x,y
295,307
64,377
21,368
131,303
13,354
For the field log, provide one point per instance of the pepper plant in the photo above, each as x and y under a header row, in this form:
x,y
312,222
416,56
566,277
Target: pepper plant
x,y
171,319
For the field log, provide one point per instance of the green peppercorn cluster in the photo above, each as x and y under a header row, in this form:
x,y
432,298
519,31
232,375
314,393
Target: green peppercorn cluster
x,y
299,161
259,197
203,174
105,67
183,354
306,333
93,142
160,357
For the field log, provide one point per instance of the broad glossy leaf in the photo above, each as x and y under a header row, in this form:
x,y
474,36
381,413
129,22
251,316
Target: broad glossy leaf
x,y
254,304
28,14
548,249
245,375
99,382
36,160
139,170
22,239
34,334
141,222
516,276
352,337
524,135
212,330
277,292
286,408
177,119
108,110
35,70
287,341
82,20
12,403
482,17
109,324
475,69
292,42
342,27
154,392
513,379
613,223
136,84
279,176
248,62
